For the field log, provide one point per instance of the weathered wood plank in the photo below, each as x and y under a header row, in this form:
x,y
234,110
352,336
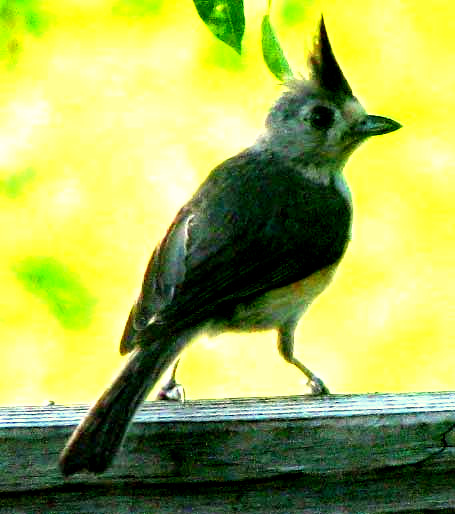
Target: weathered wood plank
x,y
393,491
310,446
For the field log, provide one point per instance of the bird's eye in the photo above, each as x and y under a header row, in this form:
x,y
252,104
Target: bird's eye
x,y
322,117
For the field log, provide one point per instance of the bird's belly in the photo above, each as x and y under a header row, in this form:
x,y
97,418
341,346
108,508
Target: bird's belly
x,y
275,307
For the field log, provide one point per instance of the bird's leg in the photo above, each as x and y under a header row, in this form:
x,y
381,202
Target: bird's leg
x,y
286,349
172,391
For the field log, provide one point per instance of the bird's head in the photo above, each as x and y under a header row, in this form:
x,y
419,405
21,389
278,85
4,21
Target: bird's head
x,y
319,120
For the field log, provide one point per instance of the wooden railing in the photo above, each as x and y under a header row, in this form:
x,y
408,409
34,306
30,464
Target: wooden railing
x,y
340,453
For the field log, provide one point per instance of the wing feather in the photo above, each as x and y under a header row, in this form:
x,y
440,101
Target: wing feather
x,y
253,226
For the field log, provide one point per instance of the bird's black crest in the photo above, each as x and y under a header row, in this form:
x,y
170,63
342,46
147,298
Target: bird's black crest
x,y
324,69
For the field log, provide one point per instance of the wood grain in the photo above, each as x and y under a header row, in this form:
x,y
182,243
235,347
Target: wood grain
x,y
357,453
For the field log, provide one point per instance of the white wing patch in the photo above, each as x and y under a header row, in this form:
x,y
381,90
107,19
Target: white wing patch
x,y
165,273
173,258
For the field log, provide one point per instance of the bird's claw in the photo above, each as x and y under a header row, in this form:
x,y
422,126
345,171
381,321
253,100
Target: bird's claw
x,y
172,392
317,387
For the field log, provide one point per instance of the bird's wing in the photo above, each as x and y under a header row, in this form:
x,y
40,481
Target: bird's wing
x,y
253,226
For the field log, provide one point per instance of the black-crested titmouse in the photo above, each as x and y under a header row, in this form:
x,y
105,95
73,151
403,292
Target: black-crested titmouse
x,y
259,240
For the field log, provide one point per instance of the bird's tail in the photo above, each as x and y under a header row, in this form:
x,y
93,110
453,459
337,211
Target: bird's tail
x,y
95,441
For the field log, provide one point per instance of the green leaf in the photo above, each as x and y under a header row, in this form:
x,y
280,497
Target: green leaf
x,y
14,185
60,288
273,53
225,19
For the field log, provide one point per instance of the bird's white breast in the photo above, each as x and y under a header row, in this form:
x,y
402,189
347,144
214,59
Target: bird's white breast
x,y
275,307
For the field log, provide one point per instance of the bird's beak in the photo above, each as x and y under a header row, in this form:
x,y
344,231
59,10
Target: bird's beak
x,y
372,125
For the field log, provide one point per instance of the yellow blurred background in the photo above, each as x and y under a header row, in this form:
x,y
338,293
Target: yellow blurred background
x,y
111,114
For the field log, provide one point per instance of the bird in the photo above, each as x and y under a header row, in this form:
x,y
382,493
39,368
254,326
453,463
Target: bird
x,y
259,240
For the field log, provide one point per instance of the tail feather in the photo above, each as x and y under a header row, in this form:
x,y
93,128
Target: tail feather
x,y
95,441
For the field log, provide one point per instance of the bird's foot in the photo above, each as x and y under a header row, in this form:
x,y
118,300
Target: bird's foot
x,y
317,386
172,392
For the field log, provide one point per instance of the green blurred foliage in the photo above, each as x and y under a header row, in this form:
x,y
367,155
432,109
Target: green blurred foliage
x,y
14,185
293,12
137,8
60,288
225,19
17,18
